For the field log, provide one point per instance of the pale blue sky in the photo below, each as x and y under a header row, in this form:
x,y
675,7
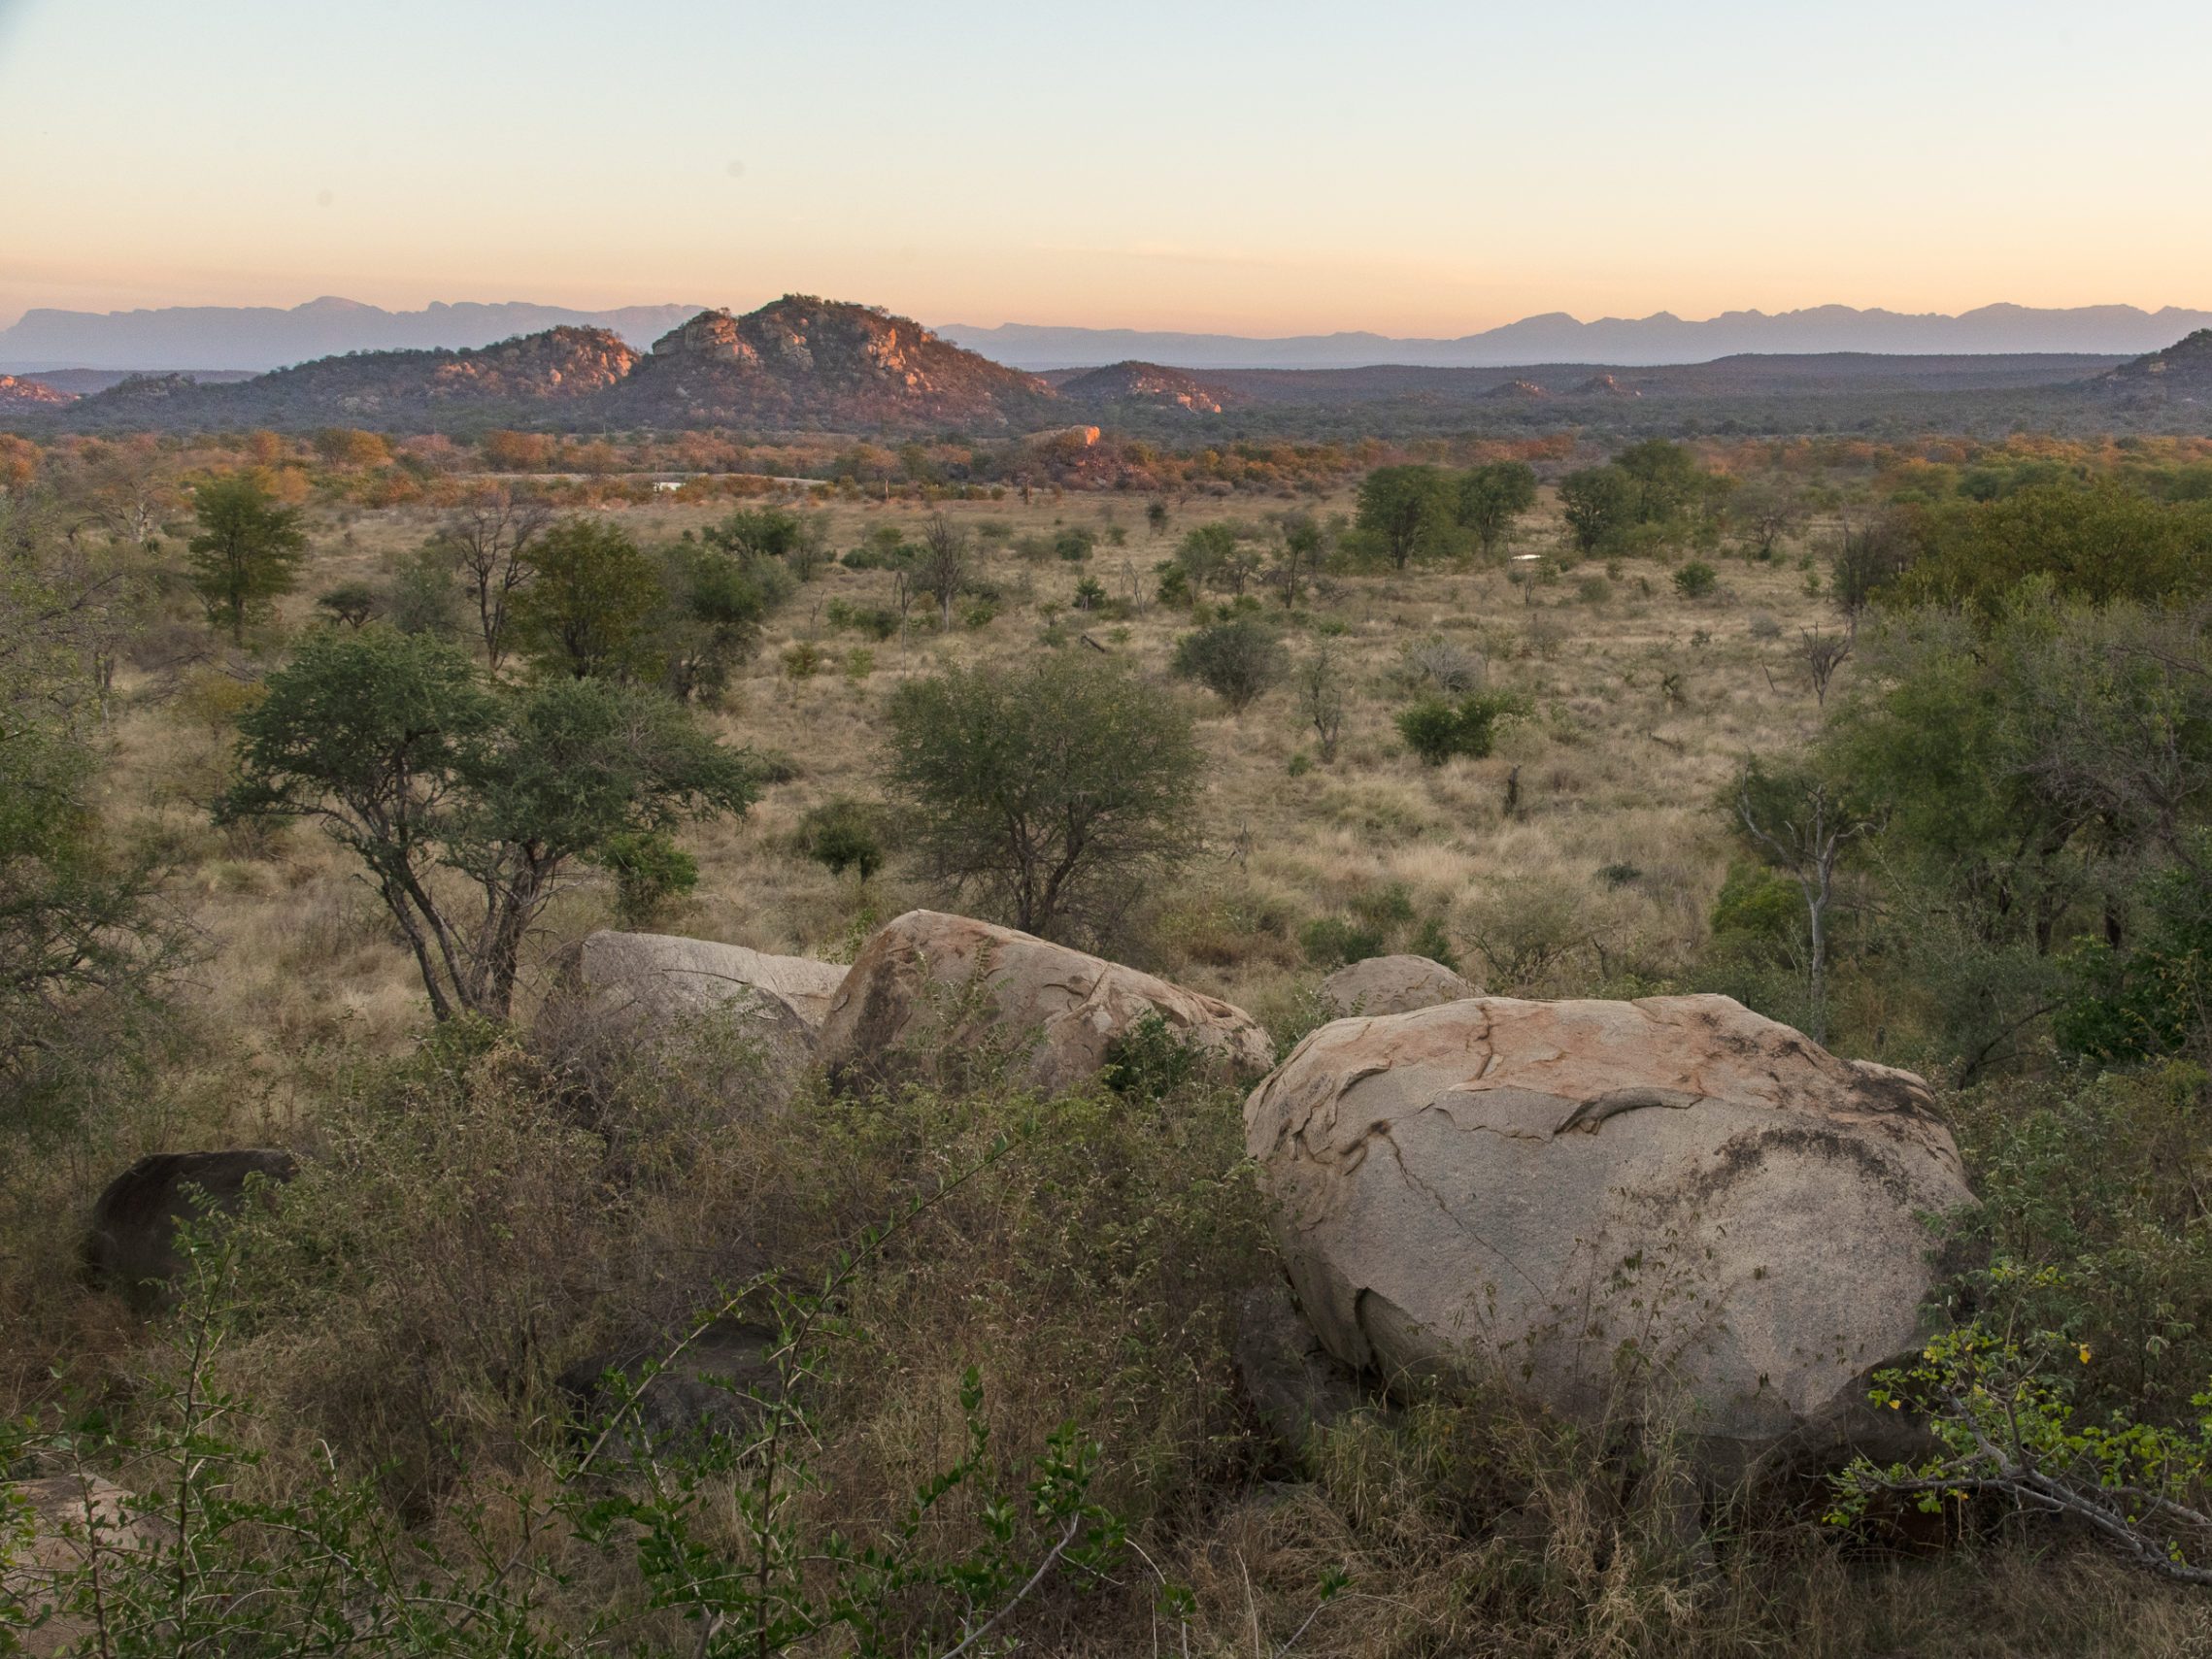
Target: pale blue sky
x,y
1429,168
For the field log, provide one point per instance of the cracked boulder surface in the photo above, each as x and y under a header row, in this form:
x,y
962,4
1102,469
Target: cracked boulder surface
x,y
664,973
624,995
1672,1206
929,978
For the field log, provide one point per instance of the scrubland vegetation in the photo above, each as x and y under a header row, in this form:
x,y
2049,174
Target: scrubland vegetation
x,y
317,758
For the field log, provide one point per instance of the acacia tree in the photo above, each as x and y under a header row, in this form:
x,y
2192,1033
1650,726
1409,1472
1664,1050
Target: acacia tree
x,y
84,943
490,540
470,805
1600,505
1491,498
1054,791
1410,510
1770,510
1298,557
587,606
1237,660
248,551
1320,687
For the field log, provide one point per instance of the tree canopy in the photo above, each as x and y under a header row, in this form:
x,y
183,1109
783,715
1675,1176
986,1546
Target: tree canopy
x,y
248,552
1053,792
397,747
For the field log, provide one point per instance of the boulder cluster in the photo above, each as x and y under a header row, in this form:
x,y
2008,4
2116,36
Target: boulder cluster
x,y
1667,1211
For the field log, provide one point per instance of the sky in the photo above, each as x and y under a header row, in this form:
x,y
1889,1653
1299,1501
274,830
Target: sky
x,y
1414,168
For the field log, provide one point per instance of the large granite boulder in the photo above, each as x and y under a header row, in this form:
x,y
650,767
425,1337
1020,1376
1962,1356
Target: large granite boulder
x,y
738,1022
1671,1206
967,985
1392,985
130,1246
663,975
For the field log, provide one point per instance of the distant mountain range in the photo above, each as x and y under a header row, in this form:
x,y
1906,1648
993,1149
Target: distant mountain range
x,y
265,337
803,364
1621,342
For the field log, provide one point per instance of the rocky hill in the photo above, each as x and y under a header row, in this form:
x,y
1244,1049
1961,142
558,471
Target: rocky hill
x,y
2181,372
1150,385
175,339
370,387
24,394
809,364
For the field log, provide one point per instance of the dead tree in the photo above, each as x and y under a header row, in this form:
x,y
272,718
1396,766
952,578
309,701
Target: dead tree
x,y
1801,827
1824,655
1321,699
490,540
941,567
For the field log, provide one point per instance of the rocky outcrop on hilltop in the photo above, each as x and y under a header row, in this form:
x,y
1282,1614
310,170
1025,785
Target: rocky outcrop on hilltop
x,y
1605,386
16,393
2181,372
1517,391
806,363
1151,385
562,366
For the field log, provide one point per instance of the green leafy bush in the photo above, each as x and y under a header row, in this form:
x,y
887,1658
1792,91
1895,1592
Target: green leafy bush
x,y
1697,579
844,835
649,870
1237,659
1436,730
1151,1060
1330,942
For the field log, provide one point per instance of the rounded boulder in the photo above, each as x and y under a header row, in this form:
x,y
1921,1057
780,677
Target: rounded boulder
x,y
931,980
1672,1206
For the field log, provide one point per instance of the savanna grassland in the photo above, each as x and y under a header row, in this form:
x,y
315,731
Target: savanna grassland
x,y
363,1400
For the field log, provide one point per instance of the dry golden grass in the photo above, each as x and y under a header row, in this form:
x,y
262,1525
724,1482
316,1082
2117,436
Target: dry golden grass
x,y
1644,704
1604,877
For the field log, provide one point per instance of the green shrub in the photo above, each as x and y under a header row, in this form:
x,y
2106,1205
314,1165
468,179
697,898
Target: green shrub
x,y
1237,659
1432,941
1697,579
1151,1060
649,870
843,834
1330,942
877,621
1436,730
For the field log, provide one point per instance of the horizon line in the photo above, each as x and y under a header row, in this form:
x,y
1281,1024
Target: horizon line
x,y
1662,316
